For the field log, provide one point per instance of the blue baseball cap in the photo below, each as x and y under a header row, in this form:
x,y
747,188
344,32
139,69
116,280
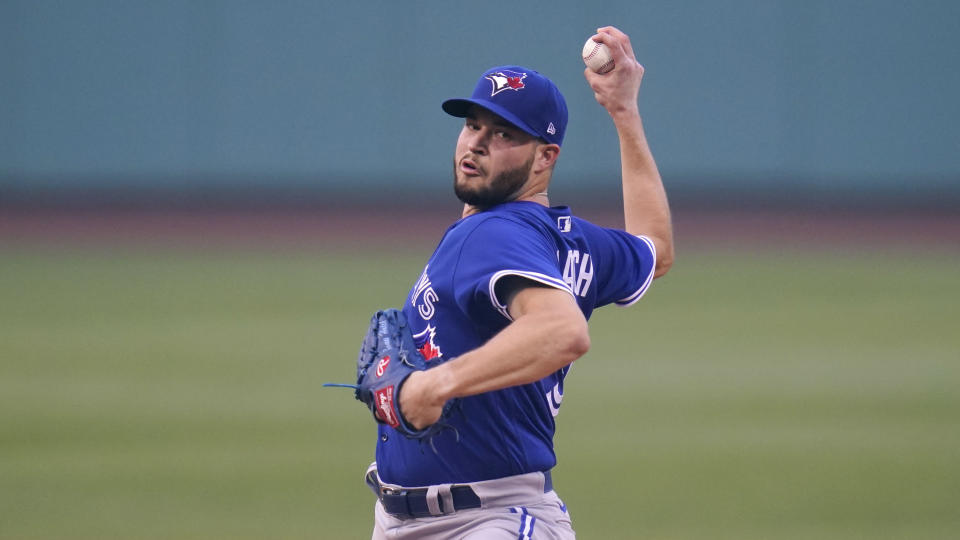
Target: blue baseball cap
x,y
522,97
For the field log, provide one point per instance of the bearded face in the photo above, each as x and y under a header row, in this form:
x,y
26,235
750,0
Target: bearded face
x,y
484,192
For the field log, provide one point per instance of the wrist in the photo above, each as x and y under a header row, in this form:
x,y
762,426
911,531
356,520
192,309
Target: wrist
x,y
630,131
440,383
627,115
623,107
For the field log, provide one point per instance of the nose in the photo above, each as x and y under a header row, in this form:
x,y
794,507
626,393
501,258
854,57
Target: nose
x,y
477,141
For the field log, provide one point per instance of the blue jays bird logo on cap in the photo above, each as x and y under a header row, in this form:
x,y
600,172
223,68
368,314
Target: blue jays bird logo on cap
x,y
506,80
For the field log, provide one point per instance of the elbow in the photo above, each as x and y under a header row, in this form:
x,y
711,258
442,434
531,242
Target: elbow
x,y
577,340
664,261
663,266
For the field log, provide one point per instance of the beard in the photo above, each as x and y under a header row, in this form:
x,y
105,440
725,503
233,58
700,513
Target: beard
x,y
500,189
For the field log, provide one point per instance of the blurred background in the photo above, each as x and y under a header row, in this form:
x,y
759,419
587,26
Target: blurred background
x,y
201,204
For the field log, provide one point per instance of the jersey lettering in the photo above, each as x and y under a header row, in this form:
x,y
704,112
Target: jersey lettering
x,y
425,307
555,395
578,272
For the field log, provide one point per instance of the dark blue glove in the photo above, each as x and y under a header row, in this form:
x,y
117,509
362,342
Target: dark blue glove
x,y
387,357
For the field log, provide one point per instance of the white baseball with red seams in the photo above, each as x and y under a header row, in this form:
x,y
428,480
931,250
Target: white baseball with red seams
x,y
597,56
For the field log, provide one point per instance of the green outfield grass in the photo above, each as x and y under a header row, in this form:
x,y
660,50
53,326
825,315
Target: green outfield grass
x,y
756,395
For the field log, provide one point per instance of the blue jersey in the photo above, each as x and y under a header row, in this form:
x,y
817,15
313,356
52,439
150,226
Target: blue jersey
x,y
453,308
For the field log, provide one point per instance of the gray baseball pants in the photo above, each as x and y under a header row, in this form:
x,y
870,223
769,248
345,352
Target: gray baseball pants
x,y
515,507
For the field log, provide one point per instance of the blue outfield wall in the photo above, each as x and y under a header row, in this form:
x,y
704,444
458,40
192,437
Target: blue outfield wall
x,y
828,98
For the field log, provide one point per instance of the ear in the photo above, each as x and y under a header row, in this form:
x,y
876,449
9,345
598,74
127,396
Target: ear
x,y
545,157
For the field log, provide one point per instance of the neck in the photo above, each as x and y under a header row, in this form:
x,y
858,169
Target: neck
x,y
539,198
534,190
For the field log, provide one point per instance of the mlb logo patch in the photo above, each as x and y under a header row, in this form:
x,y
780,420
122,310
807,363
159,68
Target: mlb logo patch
x,y
563,223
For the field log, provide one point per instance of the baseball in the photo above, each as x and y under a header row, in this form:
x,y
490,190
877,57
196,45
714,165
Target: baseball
x,y
597,56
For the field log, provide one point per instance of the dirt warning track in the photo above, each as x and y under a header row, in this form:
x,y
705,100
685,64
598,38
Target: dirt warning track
x,y
391,226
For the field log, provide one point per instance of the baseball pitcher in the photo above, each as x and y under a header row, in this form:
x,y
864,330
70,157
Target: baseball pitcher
x,y
466,379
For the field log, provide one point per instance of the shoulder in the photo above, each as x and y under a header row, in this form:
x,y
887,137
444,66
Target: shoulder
x,y
598,233
507,222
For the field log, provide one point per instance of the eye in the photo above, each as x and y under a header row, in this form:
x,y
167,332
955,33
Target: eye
x,y
503,134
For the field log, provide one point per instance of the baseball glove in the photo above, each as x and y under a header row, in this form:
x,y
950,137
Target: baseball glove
x,y
388,355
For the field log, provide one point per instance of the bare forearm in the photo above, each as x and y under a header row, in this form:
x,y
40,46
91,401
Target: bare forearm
x,y
527,350
548,332
645,207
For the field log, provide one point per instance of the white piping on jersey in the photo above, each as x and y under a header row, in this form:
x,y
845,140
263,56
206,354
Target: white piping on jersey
x,y
630,300
539,278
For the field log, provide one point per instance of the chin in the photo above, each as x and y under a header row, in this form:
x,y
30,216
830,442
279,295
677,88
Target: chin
x,y
469,185
465,180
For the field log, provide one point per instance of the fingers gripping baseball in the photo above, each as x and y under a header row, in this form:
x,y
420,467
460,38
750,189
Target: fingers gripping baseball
x,y
618,89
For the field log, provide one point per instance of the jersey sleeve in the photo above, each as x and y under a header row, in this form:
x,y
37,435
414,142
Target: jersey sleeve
x,y
498,248
626,265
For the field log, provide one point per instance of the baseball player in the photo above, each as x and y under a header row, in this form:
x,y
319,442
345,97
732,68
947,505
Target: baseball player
x,y
500,311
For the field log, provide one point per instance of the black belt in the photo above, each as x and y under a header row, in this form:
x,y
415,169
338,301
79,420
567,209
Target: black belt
x,y
412,503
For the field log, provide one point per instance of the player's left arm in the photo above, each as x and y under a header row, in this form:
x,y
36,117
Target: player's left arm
x,y
548,332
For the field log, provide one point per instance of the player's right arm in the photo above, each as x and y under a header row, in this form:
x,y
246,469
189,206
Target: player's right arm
x,y
548,332
645,208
